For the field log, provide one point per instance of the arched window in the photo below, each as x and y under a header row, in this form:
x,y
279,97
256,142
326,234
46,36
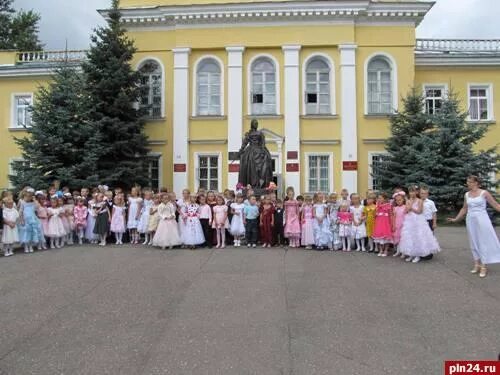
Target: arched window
x,y
208,88
380,95
318,95
151,89
263,87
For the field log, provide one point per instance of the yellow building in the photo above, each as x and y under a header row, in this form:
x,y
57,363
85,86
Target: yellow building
x,y
321,77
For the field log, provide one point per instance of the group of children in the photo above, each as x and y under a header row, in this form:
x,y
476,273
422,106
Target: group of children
x,y
54,218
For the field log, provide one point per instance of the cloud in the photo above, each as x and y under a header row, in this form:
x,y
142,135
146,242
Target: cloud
x,y
74,20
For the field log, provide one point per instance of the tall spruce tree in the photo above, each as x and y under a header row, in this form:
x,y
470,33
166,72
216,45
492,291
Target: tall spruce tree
x,y
60,140
113,87
436,150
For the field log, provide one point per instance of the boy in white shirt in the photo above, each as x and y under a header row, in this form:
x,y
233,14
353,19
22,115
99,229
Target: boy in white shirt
x,y
429,208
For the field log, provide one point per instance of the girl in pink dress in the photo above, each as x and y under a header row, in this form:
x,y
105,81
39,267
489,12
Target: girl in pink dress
x,y
307,220
42,214
344,217
292,221
80,218
382,232
398,216
220,221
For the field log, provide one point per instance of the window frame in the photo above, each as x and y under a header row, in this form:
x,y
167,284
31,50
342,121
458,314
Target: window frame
x,y
159,158
434,86
489,100
394,83
328,60
277,75
163,78
197,156
331,183
194,107
14,118
370,166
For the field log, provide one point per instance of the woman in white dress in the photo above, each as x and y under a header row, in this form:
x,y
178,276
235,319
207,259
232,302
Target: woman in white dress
x,y
482,236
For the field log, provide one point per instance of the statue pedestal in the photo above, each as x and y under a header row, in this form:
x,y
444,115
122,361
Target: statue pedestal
x,y
258,192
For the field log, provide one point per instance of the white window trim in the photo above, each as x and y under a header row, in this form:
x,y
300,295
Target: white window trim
x,y
330,172
370,169
13,108
277,74
443,86
163,79
194,109
331,64
160,166
394,80
489,97
196,163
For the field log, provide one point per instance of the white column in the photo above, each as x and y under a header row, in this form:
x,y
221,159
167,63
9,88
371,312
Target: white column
x,y
234,110
181,118
292,116
348,114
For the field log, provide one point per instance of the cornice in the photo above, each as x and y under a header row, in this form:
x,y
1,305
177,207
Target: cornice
x,y
365,11
425,60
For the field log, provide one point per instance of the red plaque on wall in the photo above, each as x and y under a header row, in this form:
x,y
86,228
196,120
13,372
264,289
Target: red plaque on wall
x,y
350,165
179,167
292,155
234,167
292,167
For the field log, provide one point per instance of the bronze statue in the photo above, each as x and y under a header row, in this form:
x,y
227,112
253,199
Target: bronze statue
x,y
255,160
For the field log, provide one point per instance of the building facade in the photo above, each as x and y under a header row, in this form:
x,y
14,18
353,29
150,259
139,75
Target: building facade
x,y
322,78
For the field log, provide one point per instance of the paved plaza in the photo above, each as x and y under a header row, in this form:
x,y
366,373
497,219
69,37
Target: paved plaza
x,y
134,310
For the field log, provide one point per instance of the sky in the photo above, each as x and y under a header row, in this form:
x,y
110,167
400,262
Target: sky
x,y
72,21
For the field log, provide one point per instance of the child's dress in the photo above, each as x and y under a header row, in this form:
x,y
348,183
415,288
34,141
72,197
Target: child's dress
x,y
266,217
292,221
80,216
42,214
417,239
345,223
143,224
382,231
369,212
30,231
167,232
56,227
101,226
133,208
333,209
399,216
67,218
153,218
10,235
358,232
237,226
307,238
219,213
322,233
181,209
193,232
118,220
89,230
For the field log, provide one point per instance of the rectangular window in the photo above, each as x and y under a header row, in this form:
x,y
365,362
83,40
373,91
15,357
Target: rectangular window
x,y
208,172
318,93
150,95
263,93
379,92
209,103
479,102
22,111
319,173
153,167
376,161
434,96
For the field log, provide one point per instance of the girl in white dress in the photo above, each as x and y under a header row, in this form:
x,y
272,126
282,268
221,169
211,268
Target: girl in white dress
x,y
134,212
10,233
358,230
237,226
482,236
89,229
193,232
55,230
321,224
143,224
167,232
181,210
118,219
